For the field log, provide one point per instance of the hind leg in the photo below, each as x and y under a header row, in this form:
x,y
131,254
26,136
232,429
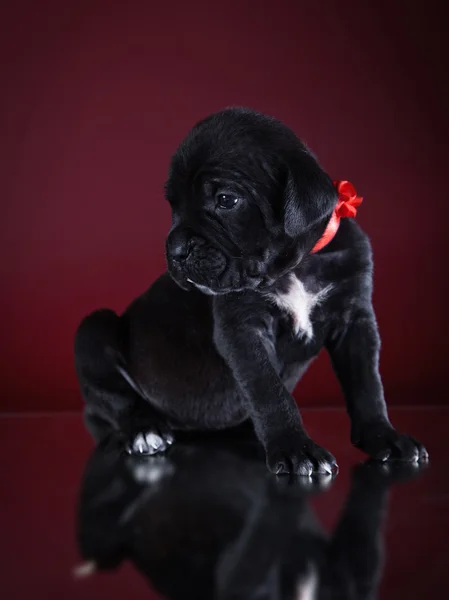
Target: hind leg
x,y
113,400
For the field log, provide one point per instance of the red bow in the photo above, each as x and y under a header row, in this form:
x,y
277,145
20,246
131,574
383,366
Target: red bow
x,y
347,205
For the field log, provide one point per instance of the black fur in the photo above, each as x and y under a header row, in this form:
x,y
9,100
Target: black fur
x,y
206,347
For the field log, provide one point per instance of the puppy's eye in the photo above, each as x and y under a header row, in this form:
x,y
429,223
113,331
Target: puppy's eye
x,y
227,200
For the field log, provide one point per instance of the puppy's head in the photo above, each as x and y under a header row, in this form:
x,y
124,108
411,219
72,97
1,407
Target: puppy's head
x,y
248,200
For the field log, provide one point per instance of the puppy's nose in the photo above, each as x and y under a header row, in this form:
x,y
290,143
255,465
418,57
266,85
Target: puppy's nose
x,y
178,246
180,252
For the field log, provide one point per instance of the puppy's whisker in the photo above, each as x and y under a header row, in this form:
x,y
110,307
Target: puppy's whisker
x,y
236,257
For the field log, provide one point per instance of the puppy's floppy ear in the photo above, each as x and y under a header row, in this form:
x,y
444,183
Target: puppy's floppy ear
x,y
309,196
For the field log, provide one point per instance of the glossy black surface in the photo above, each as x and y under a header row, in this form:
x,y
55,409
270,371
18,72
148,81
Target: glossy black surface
x,y
208,520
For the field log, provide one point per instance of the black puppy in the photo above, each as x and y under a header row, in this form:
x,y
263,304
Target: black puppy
x,y
247,304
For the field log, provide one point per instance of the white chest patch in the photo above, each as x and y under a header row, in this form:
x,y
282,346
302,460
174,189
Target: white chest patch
x,y
299,303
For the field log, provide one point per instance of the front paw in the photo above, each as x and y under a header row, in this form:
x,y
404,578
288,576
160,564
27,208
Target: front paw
x,y
382,442
299,455
150,441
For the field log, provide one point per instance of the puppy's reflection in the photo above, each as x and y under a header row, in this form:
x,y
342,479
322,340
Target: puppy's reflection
x,y
207,521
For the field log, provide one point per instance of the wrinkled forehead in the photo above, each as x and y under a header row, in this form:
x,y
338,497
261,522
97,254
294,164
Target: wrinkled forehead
x,y
236,178
209,169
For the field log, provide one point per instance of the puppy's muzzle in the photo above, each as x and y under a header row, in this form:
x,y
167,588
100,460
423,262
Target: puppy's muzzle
x,y
193,260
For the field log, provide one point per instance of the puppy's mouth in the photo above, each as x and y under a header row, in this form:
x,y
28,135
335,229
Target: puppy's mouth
x,y
230,280
188,284
202,288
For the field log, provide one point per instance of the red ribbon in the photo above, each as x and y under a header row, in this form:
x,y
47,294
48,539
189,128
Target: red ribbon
x,y
347,205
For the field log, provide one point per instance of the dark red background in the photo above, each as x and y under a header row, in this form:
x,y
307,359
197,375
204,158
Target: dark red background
x,y
98,94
